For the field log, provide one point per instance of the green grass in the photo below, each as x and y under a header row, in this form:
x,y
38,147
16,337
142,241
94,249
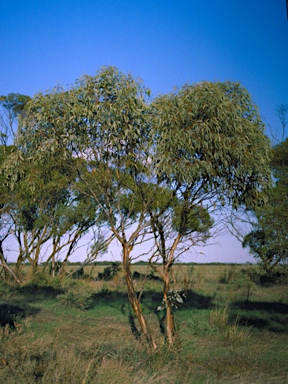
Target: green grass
x,y
221,338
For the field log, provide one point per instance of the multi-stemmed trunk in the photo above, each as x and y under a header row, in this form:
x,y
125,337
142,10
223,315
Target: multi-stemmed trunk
x,y
168,261
7,270
133,299
170,325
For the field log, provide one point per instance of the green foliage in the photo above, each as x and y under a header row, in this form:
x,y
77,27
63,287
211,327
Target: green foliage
x,y
210,136
78,300
11,107
136,168
14,102
175,298
227,276
5,289
109,272
40,279
243,283
188,218
268,239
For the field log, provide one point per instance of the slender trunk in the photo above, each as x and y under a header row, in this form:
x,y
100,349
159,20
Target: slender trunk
x,y
12,273
19,263
53,266
7,270
170,325
3,261
135,304
34,263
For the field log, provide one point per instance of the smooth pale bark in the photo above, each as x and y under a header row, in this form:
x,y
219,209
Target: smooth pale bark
x,y
7,270
12,273
170,325
132,295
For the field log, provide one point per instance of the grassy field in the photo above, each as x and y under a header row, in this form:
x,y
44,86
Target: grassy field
x,y
230,330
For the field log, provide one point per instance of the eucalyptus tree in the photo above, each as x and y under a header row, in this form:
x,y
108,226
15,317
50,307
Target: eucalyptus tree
x,y
112,128
163,169
6,223
101,124
11,107
48,215
210,152
268,240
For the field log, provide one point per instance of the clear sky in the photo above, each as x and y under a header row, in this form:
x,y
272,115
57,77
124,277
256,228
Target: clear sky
x,y
166,43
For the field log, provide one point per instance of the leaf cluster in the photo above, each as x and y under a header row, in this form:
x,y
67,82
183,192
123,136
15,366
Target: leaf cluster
x,y
268,240
212,133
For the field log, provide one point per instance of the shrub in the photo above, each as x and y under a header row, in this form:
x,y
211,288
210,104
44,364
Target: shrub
x,y
243,283
78,300
109,272
42,283
5,289
227,276
266,278
40,279
274,277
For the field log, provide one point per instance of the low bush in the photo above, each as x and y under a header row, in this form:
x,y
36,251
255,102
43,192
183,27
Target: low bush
x,y
78,300
109,272
244,285
227,275
5,289
278,276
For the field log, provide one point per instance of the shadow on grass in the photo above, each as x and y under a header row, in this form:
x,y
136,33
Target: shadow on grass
x,y
272,316
196,300
12,313
17,306
150,301
38,291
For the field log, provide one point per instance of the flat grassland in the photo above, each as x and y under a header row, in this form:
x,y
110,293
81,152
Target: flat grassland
x,y
63,330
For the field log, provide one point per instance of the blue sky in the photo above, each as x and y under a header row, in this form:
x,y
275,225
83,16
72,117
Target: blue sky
x,y
166,43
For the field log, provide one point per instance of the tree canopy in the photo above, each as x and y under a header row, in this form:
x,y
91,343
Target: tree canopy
x,y
268,240
149,169
11,107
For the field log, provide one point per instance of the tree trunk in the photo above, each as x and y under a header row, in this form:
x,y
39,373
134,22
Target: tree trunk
x,y
7,270
12,273
3,261
134,302
19,264
53,266
170,325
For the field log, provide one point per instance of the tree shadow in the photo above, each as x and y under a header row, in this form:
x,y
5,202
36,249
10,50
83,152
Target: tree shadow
x,y
34,290
152,300
12,313
272,316
135,332
195,300
119,301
